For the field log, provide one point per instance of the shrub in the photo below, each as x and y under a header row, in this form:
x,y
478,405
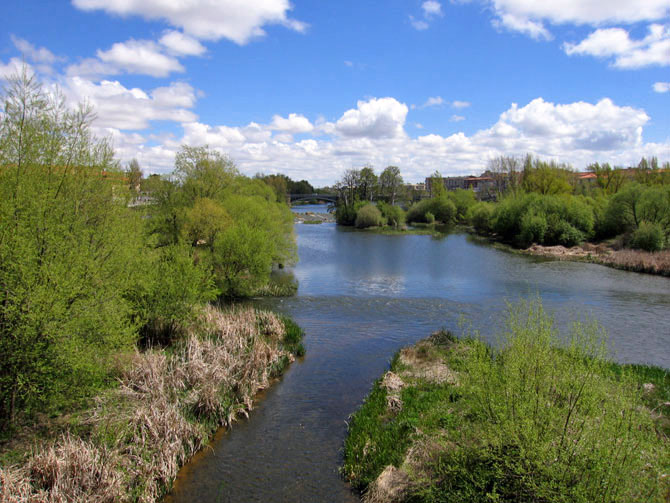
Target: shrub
x,y
533,229
463,200
441,207
368,216
480,217
430,218
394,215
648,236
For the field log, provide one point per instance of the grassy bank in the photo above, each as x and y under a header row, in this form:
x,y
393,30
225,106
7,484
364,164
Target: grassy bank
x,y
538,421
130,444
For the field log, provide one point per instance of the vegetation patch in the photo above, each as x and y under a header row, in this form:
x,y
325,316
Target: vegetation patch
x,y
129,446
544,418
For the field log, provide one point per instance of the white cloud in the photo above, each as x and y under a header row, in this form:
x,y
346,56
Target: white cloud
x,y
662,87
236,20
121,108
418,24
616,43
142,57
431,8
578,133
181,45
29,51
14,67
294,124
534,29
590,12
456,118
433,101
460,104
375,118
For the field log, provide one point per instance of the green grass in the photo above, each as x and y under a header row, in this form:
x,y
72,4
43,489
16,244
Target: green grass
x,y
532,422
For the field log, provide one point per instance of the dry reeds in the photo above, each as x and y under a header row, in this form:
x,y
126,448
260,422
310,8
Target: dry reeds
x,y
639,261
162,412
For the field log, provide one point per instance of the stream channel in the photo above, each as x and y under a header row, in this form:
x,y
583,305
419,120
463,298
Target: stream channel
x,y
363,296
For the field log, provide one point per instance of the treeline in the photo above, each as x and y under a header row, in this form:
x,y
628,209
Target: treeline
x,y
284,186
367,200
83,277
550,204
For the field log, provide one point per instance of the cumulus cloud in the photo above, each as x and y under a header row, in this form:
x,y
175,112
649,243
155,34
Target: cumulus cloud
x,y
375,118
529,17
181,45
122,108
14,67
616,43
236,20
373,132
294,124
460,104
662,87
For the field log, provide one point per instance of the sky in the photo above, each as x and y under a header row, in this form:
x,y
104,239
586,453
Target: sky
x,y
312,88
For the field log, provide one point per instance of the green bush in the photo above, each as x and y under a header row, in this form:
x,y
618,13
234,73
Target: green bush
x,y
441,207
394,215
533,229
649,237
368,216
430,218
480,216
463,200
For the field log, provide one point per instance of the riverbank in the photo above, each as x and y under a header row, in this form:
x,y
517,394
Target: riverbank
x,y
625,259
312,217
130,444
454,420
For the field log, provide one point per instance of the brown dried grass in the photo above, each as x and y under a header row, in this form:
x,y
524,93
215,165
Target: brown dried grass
x,y
162,412
639,261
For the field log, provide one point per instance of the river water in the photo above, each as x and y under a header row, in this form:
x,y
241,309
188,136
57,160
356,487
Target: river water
x,y
362,296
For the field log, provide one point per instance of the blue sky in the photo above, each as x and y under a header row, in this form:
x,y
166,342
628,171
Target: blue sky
x,y
312,88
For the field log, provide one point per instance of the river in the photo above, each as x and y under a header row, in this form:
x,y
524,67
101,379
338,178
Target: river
x,y
362,296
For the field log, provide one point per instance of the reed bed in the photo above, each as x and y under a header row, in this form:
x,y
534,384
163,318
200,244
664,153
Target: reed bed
x,y
166,406
639,261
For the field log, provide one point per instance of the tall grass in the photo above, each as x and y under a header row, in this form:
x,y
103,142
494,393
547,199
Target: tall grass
x,y
547,417
167,405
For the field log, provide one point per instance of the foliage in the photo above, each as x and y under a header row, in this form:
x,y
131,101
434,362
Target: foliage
x,y
394,215
648,236
480,216
442,208
68,249
543,418
463,200
548,219
546,178
368,216
390,184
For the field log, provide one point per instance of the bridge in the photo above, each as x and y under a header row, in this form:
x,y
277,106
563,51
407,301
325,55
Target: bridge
x,y
331,198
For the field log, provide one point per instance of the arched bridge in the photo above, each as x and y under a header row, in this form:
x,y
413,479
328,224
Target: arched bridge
x,y
332,198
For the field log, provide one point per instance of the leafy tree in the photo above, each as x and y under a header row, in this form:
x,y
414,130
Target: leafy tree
x,y
134,173
437,188
68,246
367,184
204,221
390,183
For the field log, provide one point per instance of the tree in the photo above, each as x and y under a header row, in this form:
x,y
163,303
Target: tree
x,y
546,178
203,172
436,182
506,174
68,249
134,173
390,183
367,184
